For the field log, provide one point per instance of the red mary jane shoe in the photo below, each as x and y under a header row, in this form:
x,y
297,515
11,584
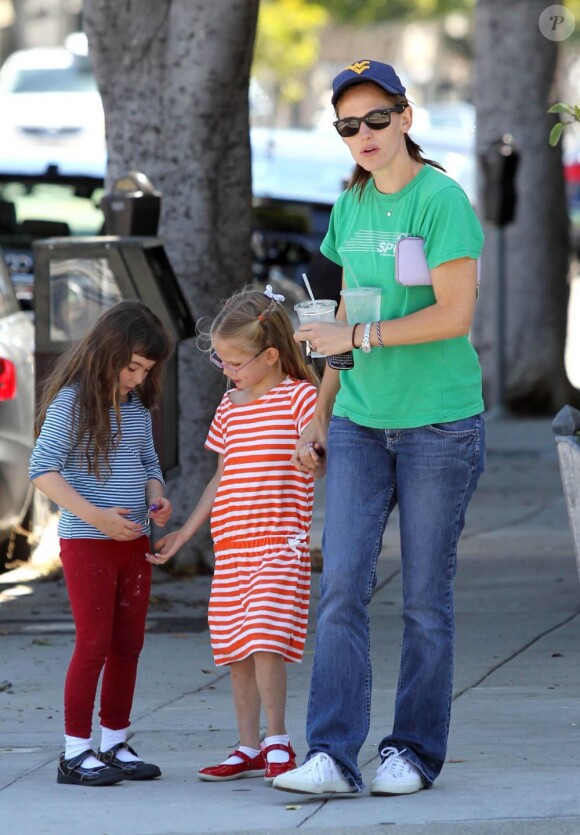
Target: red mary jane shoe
x,y
248,768
275,769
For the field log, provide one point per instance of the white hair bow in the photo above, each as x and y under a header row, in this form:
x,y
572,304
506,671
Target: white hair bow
x,y
276,297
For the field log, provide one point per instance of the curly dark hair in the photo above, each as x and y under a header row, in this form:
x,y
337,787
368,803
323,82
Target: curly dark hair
x,y
93,366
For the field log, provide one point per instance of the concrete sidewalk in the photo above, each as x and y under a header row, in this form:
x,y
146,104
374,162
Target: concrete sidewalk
x,y
514,753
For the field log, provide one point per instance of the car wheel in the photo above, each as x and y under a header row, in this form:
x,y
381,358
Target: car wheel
x,y
24,537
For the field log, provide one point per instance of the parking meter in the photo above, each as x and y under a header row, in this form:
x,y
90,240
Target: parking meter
x,y
132,207
499,165
77,279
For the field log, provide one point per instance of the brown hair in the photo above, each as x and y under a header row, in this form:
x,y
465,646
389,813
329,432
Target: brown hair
x,y
93,366
360,176
262,322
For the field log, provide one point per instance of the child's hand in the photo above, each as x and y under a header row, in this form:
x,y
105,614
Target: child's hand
x,y
160,511
310,458
166,548
111,521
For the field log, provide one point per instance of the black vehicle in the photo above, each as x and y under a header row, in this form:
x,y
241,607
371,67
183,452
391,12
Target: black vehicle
x,y
43,205
52,188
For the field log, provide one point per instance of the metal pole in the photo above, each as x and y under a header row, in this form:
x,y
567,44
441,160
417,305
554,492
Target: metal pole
x,y
566,428
498,408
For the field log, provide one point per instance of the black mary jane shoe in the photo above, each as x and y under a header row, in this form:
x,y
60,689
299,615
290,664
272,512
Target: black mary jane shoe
x,y
131,771
72,772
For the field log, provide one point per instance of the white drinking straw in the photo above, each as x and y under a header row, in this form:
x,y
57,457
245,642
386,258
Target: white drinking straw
x,y
308,287
348,266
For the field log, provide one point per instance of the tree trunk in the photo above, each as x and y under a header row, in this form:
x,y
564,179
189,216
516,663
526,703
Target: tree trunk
x,y
513,84
174,77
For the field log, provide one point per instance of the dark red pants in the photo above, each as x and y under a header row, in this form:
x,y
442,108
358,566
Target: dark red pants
x,y
108,584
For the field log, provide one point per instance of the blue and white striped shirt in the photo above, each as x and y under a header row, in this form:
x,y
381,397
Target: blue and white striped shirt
x,y
133,463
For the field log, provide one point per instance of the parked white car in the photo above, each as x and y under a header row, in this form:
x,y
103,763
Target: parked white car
x,y
51,113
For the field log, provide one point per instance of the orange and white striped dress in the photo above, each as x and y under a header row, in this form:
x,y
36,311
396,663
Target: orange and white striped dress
x,y
260,524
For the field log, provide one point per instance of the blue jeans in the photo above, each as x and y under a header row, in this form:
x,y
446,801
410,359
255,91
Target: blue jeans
x,y
431,473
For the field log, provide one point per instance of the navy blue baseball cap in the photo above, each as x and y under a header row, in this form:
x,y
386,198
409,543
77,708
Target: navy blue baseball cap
x,y
383,75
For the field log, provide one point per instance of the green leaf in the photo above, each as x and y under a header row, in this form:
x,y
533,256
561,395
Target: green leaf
x,y
560,107
556,133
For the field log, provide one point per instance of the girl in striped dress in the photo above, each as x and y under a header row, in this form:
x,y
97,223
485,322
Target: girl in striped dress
x,y
95,458
261,510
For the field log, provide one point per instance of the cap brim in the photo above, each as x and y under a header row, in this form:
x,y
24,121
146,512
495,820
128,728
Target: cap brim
x,y
352,81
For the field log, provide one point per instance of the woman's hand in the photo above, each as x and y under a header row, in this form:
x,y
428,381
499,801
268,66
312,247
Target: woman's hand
x,y
167,547
326,337
160,511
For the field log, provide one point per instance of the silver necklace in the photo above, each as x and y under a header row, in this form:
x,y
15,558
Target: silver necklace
x,y
389,211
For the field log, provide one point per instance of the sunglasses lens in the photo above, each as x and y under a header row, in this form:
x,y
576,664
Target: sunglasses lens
x,y
378,120
347,127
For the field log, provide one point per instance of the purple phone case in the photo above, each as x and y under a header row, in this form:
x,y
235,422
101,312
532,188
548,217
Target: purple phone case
x,y
411,268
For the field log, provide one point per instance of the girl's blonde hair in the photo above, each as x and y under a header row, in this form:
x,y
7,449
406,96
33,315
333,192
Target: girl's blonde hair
x,y
93,366
262,322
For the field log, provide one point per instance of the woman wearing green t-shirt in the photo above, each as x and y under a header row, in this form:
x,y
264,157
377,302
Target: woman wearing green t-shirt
x,y
403,427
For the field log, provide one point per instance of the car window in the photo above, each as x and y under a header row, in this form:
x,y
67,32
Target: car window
x,y
68,80
51,70
32,210
57,203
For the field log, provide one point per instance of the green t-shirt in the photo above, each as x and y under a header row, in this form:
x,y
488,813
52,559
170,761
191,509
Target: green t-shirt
x,y
407,385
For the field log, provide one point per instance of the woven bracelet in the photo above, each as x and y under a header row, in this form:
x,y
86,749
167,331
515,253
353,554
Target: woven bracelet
x,y
356,347
379,338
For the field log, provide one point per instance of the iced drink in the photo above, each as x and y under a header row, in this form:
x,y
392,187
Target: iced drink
x,y
363,304
321,310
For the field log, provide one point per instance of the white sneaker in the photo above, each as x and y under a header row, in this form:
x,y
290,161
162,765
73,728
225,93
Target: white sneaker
x,y
395,775
317,776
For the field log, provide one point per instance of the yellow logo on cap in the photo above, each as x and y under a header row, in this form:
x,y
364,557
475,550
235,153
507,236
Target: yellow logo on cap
x,y
359,67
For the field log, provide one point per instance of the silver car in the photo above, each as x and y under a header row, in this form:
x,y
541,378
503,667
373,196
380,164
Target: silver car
x,y
17,498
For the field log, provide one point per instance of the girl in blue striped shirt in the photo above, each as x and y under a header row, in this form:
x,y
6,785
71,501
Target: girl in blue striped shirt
x,y
95,458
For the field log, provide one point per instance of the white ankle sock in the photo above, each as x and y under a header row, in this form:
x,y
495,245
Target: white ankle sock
x,y
235,760
277,756
75,745
110,738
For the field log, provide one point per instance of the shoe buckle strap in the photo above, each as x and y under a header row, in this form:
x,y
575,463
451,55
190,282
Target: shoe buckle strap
x,y
279,746
242,756
74,762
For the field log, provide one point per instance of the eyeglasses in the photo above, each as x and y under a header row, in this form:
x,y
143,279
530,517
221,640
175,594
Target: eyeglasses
x,y
374,119
232,366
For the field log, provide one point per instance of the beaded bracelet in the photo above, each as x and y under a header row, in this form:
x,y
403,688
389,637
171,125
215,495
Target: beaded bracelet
x,y
378,331
352,337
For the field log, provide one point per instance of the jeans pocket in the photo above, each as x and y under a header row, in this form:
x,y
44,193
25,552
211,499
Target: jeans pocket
x,y
463,427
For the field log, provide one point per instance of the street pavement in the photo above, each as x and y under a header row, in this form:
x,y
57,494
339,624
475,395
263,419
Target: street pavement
x,y
513,762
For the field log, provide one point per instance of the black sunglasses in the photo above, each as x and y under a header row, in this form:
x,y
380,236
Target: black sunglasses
x,y
374,119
